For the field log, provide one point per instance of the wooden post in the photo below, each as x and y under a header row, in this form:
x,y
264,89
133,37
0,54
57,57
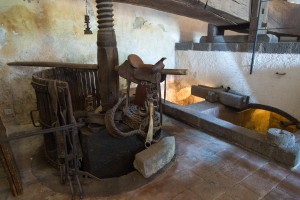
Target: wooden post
x,y
258,20
9,164
213,31
107,55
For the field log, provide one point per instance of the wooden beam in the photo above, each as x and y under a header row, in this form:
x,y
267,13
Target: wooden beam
x,y
283,18
174,71
54,64
211,11
237,11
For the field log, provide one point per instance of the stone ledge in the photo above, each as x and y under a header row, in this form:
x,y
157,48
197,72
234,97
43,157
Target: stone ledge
x,y
279,48
244,137
239,39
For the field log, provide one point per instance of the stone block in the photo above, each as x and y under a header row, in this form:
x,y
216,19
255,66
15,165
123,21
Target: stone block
x,y
287,156
281,138
151,160
184,46
268,38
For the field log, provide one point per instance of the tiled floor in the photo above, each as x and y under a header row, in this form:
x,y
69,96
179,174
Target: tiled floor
x,y
205,168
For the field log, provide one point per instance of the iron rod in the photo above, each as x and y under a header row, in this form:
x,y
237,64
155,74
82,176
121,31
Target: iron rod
x,y
26,134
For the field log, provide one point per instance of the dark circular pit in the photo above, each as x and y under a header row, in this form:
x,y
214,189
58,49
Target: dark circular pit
x,y
105,156
50,176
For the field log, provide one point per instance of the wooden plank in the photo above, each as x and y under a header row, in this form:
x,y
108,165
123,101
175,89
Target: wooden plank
x,y
237,11
174,71
54,64
283,18
258,18
9,164
205,10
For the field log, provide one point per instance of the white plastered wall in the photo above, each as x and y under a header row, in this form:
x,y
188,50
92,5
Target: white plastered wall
x,y
264,86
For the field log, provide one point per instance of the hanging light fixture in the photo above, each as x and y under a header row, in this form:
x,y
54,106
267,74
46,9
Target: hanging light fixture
x,y
294,1
87,29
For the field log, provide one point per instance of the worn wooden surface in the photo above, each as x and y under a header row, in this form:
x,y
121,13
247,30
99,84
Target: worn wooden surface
x,y
232,10
217,12
9,164
283,18
259,13
56,101
107,54
280,17
54,64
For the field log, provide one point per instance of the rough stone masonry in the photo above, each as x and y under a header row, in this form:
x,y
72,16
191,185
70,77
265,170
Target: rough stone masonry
x,y
151,160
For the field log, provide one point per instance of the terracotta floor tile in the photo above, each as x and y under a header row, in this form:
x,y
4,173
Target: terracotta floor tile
x,y
277,194
261,182
218,146
182,163
213,184
205,168
238,192
162,190
199,135
126,196
291,186
233,151
276,170
38,191
202,169
187,178
183,146
187,195
203,154
208,189
241,169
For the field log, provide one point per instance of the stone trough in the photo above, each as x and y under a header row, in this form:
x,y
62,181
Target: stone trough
x,y
202,116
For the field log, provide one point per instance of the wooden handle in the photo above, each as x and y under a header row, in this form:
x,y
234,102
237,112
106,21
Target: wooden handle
x,y
174,71
55,64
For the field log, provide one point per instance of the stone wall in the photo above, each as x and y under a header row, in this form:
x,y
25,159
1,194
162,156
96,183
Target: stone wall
x,y
52,30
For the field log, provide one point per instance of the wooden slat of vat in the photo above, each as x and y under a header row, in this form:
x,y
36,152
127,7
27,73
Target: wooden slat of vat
x,y
75,89
81,97
285,17
9,164
88,82
79,90
97,83
205,10
84,86
93,83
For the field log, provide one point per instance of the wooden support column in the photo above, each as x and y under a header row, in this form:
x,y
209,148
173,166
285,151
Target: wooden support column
x,y
9,164
107,55
213,31
258,20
